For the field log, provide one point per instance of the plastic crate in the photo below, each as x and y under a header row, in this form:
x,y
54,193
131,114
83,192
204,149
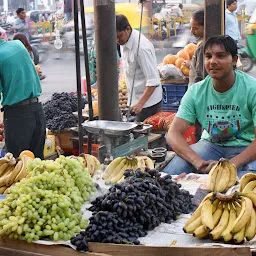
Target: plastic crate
x,y
172,95
95,149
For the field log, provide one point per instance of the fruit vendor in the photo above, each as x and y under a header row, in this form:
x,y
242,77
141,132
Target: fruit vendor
x,y
142,78
225,105
24,120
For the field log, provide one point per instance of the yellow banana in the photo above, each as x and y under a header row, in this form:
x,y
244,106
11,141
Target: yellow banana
x,y
193,226
90,163
250,195
226,234
244,215
215,205
141,162
217,214
250,228
223,223
112,166
123,164
206,215
4,177
222,178
23,172
245,180
3,168
2,189
149,163
120,174
201,232
212,177
11,177
250,186
197,212
233,174
238,237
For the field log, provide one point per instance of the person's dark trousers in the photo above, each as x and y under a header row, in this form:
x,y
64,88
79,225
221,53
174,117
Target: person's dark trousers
x,y
150,111
24,128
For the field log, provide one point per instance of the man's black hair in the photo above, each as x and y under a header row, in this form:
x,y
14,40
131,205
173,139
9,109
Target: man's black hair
x,y
226,41
121,22
229,2
19,10
181,6
198,16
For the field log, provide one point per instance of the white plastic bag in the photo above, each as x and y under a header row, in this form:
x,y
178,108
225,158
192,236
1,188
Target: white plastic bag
x,y
170,71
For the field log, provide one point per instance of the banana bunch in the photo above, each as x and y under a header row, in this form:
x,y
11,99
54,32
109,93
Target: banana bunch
x,y
90,162
115,170
12,171
222,176
228,218
248,183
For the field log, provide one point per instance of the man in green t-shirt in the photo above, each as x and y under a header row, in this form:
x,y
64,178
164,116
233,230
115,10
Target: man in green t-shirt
x,y
224,103
24,120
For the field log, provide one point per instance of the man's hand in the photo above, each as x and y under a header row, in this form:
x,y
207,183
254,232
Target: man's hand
x,y
137,108
205,166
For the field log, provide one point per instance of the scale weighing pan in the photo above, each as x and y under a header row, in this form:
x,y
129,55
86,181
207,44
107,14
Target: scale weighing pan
x,y
109,128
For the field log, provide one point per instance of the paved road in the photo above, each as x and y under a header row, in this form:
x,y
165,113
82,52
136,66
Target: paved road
x,y
60,70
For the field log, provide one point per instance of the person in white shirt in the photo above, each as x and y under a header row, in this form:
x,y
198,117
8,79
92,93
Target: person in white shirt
x,y
142,77
177,11
231,22
248,5
10,18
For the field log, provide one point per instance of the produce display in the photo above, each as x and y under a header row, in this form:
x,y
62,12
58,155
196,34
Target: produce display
x,y
248,183
115,170
180,57
59,111
133,207
228,218
123,98
222,176
47,204
11,171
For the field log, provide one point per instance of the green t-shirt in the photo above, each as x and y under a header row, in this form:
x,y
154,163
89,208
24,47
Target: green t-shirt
x,y
18,77
228,118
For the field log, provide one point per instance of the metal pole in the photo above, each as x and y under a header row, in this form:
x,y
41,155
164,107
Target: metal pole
x,y
78,79
106,51
87,72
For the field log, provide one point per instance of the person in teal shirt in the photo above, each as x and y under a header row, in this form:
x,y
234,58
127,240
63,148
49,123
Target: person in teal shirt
x,y
225,105
24,120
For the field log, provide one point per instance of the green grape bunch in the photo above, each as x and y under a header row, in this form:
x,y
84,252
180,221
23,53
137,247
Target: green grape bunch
x,y
47,204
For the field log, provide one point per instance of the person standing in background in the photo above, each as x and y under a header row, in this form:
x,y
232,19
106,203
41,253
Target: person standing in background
x,y
197,71
68,9
140,69
24,119
177,11
21,25
231,22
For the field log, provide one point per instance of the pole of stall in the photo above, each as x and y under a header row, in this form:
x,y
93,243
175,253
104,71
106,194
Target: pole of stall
x,y
106,51
87,72
78,79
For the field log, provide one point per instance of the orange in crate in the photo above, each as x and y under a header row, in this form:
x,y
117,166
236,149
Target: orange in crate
x,y
95,148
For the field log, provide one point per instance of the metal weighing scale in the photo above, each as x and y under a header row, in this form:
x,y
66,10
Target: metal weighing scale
x,y
118,138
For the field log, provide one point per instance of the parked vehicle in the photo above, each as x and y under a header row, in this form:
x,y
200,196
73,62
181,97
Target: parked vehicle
x,y
247,53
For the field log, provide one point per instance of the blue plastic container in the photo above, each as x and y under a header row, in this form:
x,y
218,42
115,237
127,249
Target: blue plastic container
x,y
172,95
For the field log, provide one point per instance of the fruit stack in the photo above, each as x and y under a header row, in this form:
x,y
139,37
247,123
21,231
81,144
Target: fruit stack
x,y
131,208
228,218
115,170
123,98
11,171
222,176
